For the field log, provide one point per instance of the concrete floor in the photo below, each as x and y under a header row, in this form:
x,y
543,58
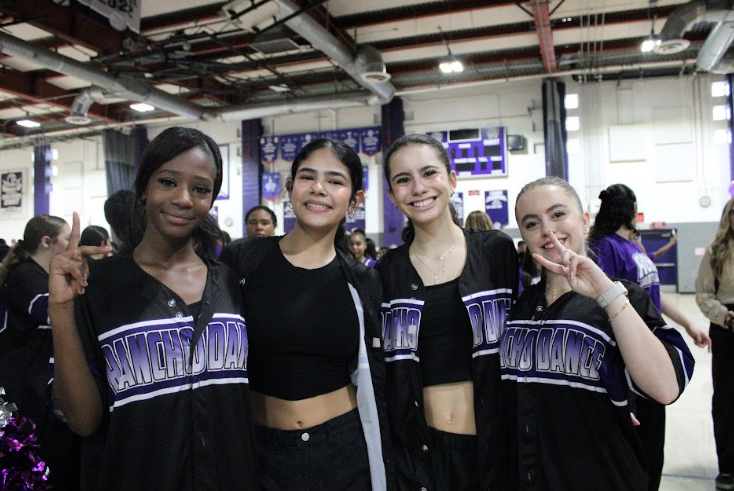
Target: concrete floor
x,y
690,452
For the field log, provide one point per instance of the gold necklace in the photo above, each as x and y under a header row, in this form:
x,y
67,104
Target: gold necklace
x,y
554,292
442,267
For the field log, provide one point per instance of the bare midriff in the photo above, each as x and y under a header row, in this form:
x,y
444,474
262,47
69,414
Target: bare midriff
x,y
450,407
282,414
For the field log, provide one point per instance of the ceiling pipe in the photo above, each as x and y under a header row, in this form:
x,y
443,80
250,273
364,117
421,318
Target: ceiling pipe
x,y
321,39
140,91
713,55
541,16
133,90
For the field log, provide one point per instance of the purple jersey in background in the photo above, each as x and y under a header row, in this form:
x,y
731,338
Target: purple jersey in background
x,y
622,258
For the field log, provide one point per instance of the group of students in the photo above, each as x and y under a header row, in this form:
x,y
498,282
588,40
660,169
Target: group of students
x,y
289,365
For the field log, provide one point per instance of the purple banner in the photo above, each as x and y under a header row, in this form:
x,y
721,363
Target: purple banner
x,y
306,138
290,145
271,185
365,178
269,148
496,207
350,137
332,134
370,140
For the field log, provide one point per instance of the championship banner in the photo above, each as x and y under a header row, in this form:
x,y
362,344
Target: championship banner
x,y
271,185
11,192
269,148
496,207
351,138
290,145
370,140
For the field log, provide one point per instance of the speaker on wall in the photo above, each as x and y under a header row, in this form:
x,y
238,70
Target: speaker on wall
x,y
515,142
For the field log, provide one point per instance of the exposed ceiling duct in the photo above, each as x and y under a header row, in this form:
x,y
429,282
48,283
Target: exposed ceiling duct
x,y
140,91
321,39
81,104
715,56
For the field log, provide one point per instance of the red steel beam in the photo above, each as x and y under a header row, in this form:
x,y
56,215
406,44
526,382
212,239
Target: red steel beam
x,y
541,16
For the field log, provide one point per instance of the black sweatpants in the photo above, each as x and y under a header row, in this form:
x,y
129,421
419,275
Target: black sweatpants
x,y
722,404
652,435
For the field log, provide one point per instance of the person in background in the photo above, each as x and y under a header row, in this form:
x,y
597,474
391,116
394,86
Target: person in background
x,y
715,298
620,257
313,315
447,292
26,347
260,221
94,235
151,348
576,345
358,247
478,220
4,249
118,211
371,250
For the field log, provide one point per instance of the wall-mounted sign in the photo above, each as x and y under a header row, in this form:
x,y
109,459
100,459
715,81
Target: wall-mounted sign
x,y
11,192
271,185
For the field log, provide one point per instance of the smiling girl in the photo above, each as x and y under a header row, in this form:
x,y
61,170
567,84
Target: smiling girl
x,y
576,345
312,311
150,346
447,292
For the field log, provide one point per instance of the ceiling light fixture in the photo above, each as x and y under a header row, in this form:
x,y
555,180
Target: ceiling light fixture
x,y
279,88
142,107
28,123
450,64
652,42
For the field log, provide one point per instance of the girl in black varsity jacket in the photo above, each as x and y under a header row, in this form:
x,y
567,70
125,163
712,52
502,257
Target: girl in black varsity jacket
x,y
316,361
447,293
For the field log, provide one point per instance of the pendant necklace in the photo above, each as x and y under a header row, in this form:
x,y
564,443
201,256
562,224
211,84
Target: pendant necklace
x,y
442,258
555,292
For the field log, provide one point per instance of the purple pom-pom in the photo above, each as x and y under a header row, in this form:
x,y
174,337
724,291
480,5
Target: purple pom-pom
x,y
21,469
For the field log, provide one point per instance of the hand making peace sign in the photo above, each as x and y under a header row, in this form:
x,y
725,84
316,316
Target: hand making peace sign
x,y
67,276
582,273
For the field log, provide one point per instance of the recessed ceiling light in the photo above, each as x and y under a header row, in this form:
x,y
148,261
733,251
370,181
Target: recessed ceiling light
x,y
142,107
280,88
28,123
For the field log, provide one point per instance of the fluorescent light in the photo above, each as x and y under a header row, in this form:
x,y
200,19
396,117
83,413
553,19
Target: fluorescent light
x,y
451,66
142,107
279,88
28,123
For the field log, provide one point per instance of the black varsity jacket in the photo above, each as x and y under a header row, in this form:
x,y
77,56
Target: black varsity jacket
x,y
487,285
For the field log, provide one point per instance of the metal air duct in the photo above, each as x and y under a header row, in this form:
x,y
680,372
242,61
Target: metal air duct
x,y
321,39
713,56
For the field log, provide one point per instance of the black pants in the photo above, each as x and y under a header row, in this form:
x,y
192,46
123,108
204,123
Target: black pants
x,y
454,461
652,435
722,404
329,456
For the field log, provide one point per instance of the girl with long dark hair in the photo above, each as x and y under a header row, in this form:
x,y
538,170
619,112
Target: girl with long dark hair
x,y
312,312
150,345
447,292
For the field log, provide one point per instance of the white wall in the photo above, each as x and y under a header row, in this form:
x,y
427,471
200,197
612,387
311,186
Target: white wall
x,y
642,117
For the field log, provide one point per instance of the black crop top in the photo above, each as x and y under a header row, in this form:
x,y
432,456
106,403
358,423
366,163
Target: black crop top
x,y
302,328
445,338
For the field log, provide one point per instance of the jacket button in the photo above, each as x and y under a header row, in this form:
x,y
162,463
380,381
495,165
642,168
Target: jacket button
x,y
179,314
423,489
171,303
416,403
414,286
243,281
424,448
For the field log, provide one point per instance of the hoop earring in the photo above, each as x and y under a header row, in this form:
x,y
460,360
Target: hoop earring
x,y
350,214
